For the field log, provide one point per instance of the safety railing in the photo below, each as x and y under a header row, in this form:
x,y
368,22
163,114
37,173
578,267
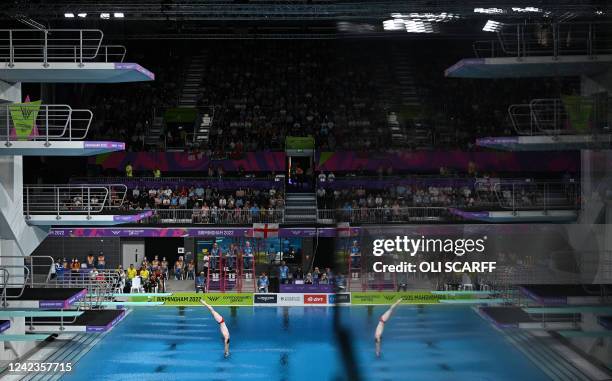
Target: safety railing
x,y
214,216
385,215
562,116
57,45
43,122
553,39
14,277
72,199
518,195
4,273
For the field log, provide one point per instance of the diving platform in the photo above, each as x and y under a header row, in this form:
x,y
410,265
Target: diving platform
x,y
547,142
517,216
58,147
43,298
504,317
572,334
563,294
4,325
73,72
530,67
603,309
26,337
86,220
93,321
38,313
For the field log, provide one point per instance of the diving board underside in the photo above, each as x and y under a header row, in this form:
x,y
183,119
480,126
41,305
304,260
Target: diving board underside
x,y
543,66
518,216
85,220
45,298
92,321
73,72
546,142
58,148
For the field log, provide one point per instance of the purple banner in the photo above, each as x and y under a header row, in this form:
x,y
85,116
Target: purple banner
x,y
105,145
221,184
306,288
134,66
431,161
183,161
132,217
185,232
62,303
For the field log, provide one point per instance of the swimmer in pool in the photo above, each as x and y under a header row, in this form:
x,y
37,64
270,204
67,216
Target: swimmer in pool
x,y
222,327
381,325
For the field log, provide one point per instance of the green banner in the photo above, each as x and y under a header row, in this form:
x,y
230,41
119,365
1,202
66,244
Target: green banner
x,y
578,111
181,115
192,299
299,142
24,117
410,297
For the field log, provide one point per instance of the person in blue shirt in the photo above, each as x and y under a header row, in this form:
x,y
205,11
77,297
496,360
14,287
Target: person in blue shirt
x,y
283,273
355,256
248,256
263,283
215,253
200,283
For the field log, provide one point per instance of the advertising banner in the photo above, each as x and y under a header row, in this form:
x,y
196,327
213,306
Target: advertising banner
x,y
192,298
410,297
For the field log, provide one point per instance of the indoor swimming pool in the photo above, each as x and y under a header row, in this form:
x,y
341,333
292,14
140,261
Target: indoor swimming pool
x,y
298,344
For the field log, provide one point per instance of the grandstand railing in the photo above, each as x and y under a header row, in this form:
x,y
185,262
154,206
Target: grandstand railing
x,y
72,199
43,122
385,215
539,39
518,195
15,276
550,116
221,216
57,45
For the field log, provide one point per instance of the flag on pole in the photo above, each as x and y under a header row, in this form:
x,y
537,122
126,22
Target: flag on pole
x,y
265,230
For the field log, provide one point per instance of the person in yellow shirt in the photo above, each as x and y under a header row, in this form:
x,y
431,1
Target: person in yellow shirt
x,y
131,272
144,274
129,171
157,173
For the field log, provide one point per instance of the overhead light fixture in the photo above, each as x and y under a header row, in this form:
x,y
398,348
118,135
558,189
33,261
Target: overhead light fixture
x,y
82,15
105,16
493,26
489,11
118,15
526,10
69,15
430,17
394,24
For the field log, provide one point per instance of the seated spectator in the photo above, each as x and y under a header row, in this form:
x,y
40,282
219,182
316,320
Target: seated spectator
x,y
263,283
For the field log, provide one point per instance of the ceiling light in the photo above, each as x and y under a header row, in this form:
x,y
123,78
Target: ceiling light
x,y
82,15
105,16
118,15
489,11
493,26
526,9
69,15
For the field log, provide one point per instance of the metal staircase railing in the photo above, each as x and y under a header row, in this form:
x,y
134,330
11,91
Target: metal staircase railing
x,y
72,199
43,122
57,45
14,277
541,39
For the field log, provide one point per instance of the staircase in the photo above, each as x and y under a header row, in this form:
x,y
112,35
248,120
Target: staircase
x,y
192,81
154,132
202,130
301,208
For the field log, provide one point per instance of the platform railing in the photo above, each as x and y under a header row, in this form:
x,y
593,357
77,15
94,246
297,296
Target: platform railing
x,y
14,277
5,276
56,45
553,116
42,122
518,195
385,215
72,199
541,39
210,217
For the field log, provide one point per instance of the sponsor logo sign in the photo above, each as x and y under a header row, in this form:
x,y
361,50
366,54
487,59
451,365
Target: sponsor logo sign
x,y
315,298
339,298
265,298
409,297
192,298
290,299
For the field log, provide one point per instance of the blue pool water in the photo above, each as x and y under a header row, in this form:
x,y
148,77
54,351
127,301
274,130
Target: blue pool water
x,y
275,344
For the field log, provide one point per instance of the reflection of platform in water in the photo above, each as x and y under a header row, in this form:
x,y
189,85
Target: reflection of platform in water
x,y
541,66
515,317
90,321
546,142
86,220
58,148
46,298
564,294
518,215
72,72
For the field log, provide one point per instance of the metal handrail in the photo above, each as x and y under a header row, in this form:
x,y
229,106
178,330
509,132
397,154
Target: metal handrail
x,y
221,216
72,198
58,45
384,214
11,275
115,51
43,122
5,279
